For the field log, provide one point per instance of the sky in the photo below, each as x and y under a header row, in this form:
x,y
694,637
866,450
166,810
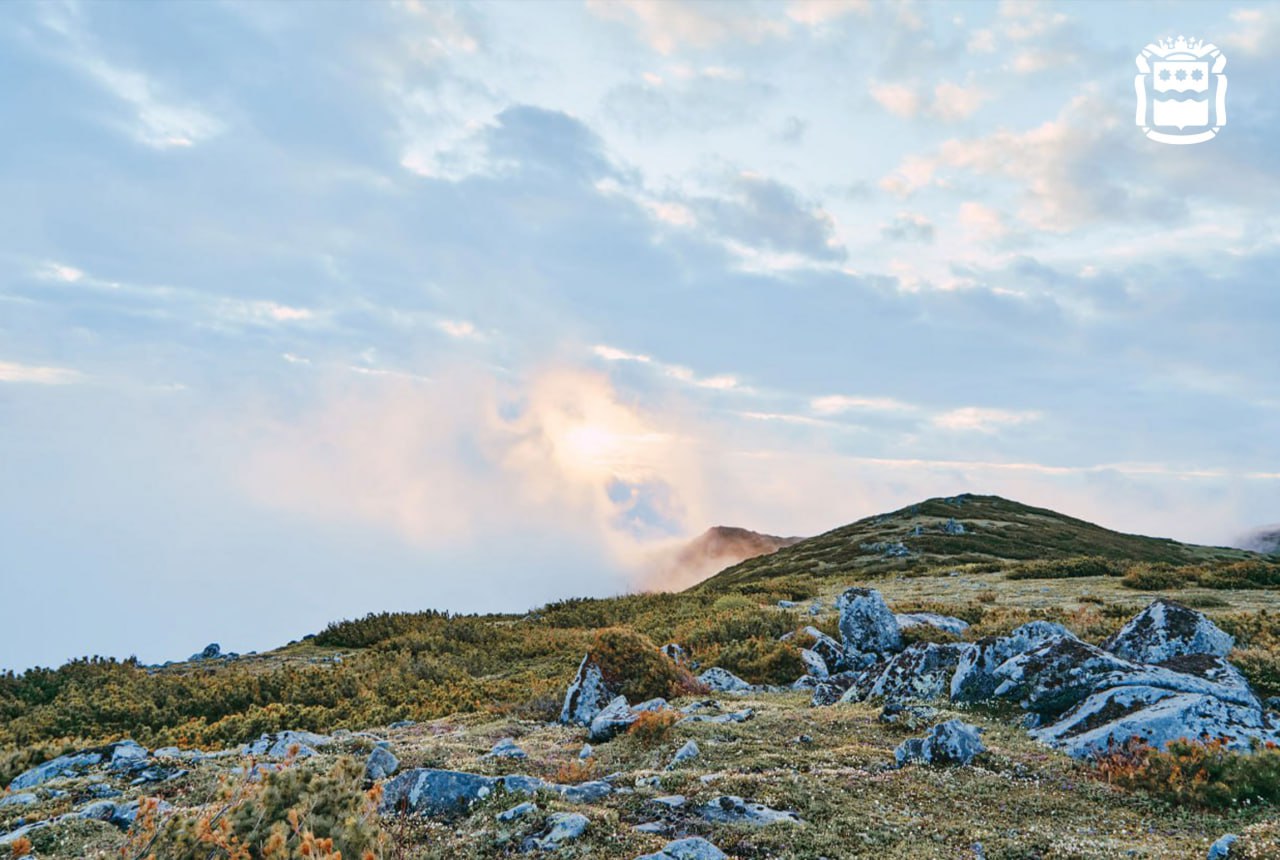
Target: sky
x,y
311,310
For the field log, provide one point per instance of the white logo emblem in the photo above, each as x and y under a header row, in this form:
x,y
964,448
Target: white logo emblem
x,y
1182,93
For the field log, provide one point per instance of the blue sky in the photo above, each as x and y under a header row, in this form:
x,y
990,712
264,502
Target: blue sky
x,y
310,310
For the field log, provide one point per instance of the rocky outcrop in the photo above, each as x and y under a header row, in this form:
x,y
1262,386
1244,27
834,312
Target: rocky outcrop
x,y
951,743
686,753
586,696
947,623
281,744
723,681
614,719
693,848
562,827
814,665
380,764
866,624
1165,630
72,764
923,672
831,651
975,678
434,793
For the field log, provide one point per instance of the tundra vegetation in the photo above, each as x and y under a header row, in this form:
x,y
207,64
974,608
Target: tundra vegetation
x,y
440,690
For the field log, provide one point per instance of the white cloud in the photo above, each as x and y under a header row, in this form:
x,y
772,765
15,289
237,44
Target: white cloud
x,y
1259,29
460,329
899,99
835,404
610,353
817,12
669,27
60,272
38,375
954,102
981,420
981,222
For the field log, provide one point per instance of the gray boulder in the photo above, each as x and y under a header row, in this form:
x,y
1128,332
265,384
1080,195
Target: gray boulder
x,y
380,764
520,810
506,748
1165,630
688,752
586,696
907,620
212,651
612,720
831,651
975,676
562,827
22,798
127,755
1221,848
278,745
584,792
952,742
866,624
729,809
693,848
724,681
922,672
72,764
434,793
829,690
676,653
814,665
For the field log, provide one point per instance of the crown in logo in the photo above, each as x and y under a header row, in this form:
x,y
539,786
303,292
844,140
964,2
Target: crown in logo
x,y
1182,43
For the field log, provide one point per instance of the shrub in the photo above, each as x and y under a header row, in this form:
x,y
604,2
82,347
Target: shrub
x,y
1155,577
1242,574
1067,568
653,727
1193,773
760,661
291,813
633,665
575,771
374,628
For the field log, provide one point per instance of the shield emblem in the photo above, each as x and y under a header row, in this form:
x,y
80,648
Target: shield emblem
x,y
1182,92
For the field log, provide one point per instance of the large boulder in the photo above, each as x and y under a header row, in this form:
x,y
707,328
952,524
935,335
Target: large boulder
x,y
586,696
814,665
1165,630
947,623
281,744
562,827
693,848
435,793
831,651
975,676
923,672
380,764
72,764
729,809
832,689
614,719
723,681
952,742
866,624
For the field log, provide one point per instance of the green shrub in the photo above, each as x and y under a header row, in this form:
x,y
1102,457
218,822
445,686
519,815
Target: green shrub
x,y
1067,568
1242,574
1191,773
632,664
760,661
1156,577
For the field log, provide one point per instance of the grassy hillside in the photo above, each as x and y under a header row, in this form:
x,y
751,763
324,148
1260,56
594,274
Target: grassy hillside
x,y
995,531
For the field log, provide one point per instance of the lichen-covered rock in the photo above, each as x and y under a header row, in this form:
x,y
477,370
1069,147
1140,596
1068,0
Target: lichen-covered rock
x,y
831,651
1221,848
520,810
127,755
676,653
584,792
434,793
723,681
908,620
814,665
380,764
1165,630
922,672
866,624
829,690
506,748
952,742
907,716
612,720
562,827
586,696
693,848
975,676
22,798
278,745
688,752
728,809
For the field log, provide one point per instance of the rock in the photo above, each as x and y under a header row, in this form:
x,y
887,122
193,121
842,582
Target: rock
x,y
654,827
786,604
731,717
907,716
278,745
69,765
156,774
829,690
671,801
1165,630
975,679
520,810
585,792
506,748
952,742
1221,849
562,827
100,790
586,752
127,755
23,798
435,793
814,665
866,624
586,696
121,815
658,704
723,681
676,653
952,527
403,724
519,783
688,752
613,719
380,764
923,671
831,651
212,651
931,619
728,809
815,608
693,848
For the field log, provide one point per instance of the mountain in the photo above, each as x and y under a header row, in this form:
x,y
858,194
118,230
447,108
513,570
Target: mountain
x,y
1264,540
958,530
712,551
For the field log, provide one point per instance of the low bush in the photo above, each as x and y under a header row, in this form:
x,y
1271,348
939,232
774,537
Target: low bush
x,y
1067,568
1206,775
759,660
654,727
632,664
1156,577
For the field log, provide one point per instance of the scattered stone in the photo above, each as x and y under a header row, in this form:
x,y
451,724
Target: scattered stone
x,y
931,619
814,665
612,720
923,672
520,810
127,755
952,742
424,791
212,651
72,764
99,790
729,809
22,798
907,716
586,752
1165,630
688,752
731,717
786,604
506,748
562,827
723,681
866,624
952,527
654,827
676,653
1221,849
586,696
693,848
380,764
278,745
585,792
671,801
403,724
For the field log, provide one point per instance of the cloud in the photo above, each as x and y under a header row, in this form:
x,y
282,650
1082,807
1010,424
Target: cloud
x,y
981,222
952,101
669,27
61,272
908,227
762,214
835,404
899,99
720,382
458,329
38,375
981,420
948,102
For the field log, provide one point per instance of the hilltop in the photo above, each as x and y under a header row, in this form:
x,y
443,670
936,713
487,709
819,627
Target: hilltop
x,y
959,530
471,707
